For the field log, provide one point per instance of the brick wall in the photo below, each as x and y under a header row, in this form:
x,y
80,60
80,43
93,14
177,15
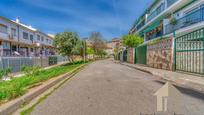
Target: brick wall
x,y
160,55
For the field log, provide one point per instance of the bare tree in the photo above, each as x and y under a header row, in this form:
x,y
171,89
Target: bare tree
x,y
97,42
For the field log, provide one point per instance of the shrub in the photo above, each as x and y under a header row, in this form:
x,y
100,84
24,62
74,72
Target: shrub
x,y
27,70
52,60
36,70
30,70
1,74
5,72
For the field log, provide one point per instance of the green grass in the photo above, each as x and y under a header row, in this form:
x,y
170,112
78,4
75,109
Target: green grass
x,y
19,86
30,109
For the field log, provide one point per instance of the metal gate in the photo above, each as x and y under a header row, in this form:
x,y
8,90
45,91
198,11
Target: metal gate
x,y
141,55
118,56
125,56
189,50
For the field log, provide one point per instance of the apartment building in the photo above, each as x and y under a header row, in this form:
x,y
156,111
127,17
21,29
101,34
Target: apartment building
x,y
173,34
17,39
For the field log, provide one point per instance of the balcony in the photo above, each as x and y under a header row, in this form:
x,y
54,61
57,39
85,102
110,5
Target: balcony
x,y
156,12
170,2
140,25
188,20
155,35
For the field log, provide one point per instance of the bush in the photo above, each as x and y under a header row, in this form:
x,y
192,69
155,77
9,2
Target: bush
x,y
30,70
5,72
52,60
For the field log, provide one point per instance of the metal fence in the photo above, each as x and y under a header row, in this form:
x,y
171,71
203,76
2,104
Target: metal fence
x,y
189,52
16,63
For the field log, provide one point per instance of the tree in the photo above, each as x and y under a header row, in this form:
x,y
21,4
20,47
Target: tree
x,y
89,51
97,42
132,40
78,48
65,43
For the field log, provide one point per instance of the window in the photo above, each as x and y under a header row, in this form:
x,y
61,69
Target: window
x,y
47,40
38,37
42,38
3,28
13,31
31,37
25,35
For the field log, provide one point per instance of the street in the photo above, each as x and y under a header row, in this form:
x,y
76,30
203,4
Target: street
x,y
107,88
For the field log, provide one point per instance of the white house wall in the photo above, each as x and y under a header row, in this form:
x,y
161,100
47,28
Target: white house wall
x,y
21,39
5,36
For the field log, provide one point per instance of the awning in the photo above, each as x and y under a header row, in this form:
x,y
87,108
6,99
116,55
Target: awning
x,y
151,27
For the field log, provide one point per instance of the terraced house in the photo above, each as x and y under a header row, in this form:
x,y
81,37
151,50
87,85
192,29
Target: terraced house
x,y
173,34
17,39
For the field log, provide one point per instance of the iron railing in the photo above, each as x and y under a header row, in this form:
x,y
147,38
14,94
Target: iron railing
x,y
140,25
156,12
171,2
188,20
157,34
189,52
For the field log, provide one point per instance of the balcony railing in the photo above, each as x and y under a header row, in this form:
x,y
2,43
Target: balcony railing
x,y
156,12
170,2
140,25
158,34
188,20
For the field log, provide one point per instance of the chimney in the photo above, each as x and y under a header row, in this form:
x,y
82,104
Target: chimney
x,y
18,20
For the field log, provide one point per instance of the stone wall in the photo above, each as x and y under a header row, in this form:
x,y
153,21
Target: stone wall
x,y
130,55
160,55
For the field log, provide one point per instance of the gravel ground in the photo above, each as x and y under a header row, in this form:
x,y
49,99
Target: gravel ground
x,y
106,88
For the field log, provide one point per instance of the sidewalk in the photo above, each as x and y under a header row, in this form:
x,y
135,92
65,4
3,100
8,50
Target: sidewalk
x,y
178,78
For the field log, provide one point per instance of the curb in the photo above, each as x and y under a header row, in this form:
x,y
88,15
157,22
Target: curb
x,y
146,71
179,82
12,106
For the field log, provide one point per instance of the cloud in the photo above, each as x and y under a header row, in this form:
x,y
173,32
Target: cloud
x,y
112,18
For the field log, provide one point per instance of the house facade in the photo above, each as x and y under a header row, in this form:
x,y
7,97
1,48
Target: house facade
x,y
17,39
112,45
173,33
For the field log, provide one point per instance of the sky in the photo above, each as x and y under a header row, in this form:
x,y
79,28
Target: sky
x,y
112,18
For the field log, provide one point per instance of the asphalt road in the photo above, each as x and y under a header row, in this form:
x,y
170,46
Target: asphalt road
x,y
107,88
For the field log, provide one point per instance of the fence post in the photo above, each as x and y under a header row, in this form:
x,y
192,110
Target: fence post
x,y
174,50
8,63
1,63
20,64
41,61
